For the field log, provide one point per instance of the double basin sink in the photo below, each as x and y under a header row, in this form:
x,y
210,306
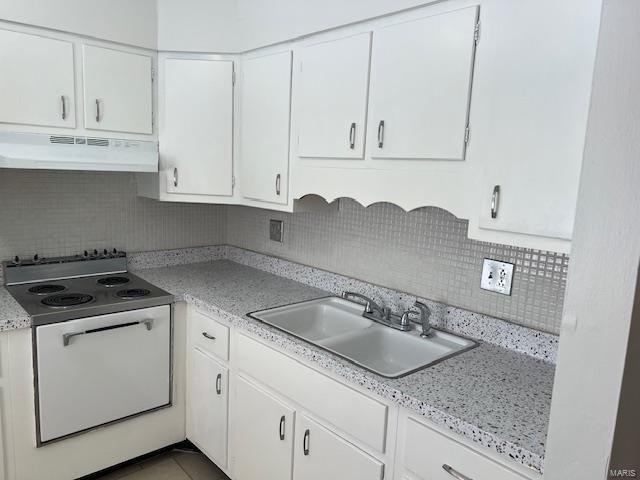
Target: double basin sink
x,y
338,325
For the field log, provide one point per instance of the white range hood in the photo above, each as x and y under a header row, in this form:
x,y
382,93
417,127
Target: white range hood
x,y
61,152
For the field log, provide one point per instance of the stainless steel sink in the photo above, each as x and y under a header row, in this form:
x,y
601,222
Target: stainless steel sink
x,y
337,325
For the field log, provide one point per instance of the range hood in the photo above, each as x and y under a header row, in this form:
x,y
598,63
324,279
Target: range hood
x,y
60,152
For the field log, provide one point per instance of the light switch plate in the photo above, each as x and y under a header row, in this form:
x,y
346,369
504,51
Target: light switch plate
x,y
497,276
275,230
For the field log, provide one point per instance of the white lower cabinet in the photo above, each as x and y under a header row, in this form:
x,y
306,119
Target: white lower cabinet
x,y
320,454
263,432
427,454
207,406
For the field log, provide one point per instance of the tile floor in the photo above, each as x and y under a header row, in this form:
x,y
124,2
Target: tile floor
x,y
175,465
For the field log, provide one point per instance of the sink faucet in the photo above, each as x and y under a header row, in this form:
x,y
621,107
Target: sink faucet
x,y
370,307
379,314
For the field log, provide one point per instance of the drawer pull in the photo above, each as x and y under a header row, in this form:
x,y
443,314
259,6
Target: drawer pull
x,y
206,335
454,473
98,116
64,107
281,427
305,442
219,384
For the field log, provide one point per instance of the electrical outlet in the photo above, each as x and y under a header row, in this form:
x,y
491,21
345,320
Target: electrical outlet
x,y
497,276
275,230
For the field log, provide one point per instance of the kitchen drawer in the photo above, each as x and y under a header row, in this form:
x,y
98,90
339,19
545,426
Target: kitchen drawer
x,y
209,335
427,453
356,414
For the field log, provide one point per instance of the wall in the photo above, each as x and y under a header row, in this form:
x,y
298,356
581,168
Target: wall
x,y
132,22
62,213
239,25
605,256
425,252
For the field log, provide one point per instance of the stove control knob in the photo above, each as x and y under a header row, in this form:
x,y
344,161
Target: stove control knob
x,y
16,260
105,253
85,254
36,258
115,252
95,252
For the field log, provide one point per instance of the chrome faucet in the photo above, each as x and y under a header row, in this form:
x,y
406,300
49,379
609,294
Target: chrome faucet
x,y
379,314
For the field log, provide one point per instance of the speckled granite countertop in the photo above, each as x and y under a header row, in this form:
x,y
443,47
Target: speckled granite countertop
x,y
493,396
12,315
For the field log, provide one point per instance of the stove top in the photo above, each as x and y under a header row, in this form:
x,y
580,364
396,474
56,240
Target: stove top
x,y
84,294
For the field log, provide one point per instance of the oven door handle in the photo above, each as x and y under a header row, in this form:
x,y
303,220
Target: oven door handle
x,y
66,337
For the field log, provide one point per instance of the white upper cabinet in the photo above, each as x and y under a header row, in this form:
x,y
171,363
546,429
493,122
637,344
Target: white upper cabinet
x,y
37,84
196,125
421,74
264,127
333,98
118,90
529,116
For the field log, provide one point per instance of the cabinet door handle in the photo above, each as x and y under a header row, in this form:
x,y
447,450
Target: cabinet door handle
x,y
97,110
175,176
206,335
352,136
305,442
63,101
219,384
381,134
495,201
281,427
278,184
454,473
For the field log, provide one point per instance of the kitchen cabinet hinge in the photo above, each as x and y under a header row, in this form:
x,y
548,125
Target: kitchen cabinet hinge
x,y
476,33
233,181
466,135
233,77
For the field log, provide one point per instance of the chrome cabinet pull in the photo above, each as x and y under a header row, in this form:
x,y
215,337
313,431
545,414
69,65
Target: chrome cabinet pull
x,y
495,201
219,384
97,110
175,176
63,101
206,335
281,427
278,184
381,134
454,473
305,442
352,136
66,337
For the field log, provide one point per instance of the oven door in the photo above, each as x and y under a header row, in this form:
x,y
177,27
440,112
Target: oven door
x,y
97,370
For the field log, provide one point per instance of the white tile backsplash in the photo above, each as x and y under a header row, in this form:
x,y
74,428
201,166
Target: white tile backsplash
x,y
64,212
425,252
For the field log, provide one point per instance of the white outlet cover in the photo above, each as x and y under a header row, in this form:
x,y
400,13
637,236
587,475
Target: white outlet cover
x,y
497,276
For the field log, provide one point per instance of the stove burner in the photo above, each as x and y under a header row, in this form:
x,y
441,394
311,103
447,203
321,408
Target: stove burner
x,y
133,293
67,299
46,289
113,281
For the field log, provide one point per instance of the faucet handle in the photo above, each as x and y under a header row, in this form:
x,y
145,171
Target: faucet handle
x,y
425,313
404,319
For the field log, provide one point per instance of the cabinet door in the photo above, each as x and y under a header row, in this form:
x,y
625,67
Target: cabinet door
x,y
533,93
117,90
320,454
37,84
421,75
263,432
264,129
207,406
196,125
333,98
